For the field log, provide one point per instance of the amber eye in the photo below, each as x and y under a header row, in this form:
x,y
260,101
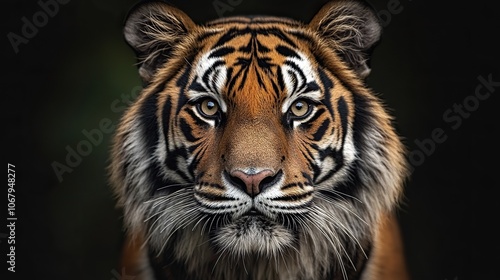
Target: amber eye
x,y
300,108
208,107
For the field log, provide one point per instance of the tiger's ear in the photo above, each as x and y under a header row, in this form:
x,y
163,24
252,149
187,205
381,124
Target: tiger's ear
x,y
153,30
352,29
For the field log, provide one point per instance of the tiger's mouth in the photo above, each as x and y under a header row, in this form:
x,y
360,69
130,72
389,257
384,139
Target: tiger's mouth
x,y
251,219
257,232
254,217
254,233
252,212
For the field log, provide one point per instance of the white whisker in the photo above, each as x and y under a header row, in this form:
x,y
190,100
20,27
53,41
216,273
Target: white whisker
x,y
341,195
341,206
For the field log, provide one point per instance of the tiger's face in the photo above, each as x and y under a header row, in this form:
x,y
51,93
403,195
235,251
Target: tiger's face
x,y
266,132
256,136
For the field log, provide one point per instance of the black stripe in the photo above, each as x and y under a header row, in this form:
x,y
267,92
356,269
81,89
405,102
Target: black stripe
x,y
235,32
311,86
212,185
213,197
259,79
286,51
276,90
233,79
290,198
291,185
297,69
299,86
338,155
261,48
265,62
316,172
311,162
230,35
281,82
229,74
303,37
186,130
197,86
171,162
166,111
288,186
149,125
308,125
148,121
174,154
321,131
212,68
307,177
245,71
362,117
295,80
221,52
351,187
344,116
327,87
205,35
215,78
182,83
281,35
197,154
247,48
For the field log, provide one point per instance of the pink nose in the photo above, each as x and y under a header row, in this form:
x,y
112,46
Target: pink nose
x,y
252,182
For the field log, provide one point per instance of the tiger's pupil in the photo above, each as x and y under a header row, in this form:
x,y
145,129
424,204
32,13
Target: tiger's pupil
x,y
300,108
209,107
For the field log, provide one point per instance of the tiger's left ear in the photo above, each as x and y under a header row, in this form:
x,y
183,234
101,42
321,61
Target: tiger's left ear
x,y
154,30
351,29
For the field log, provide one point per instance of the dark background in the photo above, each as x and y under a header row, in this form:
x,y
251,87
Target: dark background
x,y
65,80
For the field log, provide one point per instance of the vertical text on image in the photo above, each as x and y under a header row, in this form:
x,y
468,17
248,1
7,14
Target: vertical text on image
x,y
11,218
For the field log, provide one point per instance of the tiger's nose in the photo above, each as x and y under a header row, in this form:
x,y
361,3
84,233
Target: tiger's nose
x,y
253,183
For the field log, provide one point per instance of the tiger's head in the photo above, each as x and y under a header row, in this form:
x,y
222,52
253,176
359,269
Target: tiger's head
x,y
256,143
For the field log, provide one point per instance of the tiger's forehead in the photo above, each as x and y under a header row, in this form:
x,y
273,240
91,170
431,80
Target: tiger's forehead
x,y
262,56
257,36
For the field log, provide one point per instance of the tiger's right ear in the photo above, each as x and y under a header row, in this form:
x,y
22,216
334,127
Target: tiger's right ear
x,y
154,30
350,28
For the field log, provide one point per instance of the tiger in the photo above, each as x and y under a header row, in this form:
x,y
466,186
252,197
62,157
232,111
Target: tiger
x,y
256,149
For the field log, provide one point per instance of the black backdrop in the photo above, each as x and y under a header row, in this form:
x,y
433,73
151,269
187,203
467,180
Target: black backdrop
x,y
68,75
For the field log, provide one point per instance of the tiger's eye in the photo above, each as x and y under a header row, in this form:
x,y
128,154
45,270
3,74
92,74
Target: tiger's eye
x,y
299,108
209,107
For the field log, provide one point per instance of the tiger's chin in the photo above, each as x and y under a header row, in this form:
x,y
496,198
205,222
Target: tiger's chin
x,y
254,234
